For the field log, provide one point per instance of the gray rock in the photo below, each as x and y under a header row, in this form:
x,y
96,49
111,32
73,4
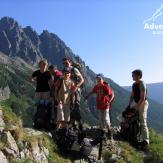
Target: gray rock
x,y
4,93
22,155
40,154
32,132
3,158
10,143
2,124
10,153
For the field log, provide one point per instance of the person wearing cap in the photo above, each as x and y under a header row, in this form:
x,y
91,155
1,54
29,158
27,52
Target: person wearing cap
x,y
78,79
104,96
64,93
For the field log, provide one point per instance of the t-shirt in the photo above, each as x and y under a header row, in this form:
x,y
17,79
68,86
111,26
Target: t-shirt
x,y
137,88
102,92
42,81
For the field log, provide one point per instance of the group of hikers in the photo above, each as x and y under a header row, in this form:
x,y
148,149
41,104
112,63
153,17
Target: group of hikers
x,y
63,89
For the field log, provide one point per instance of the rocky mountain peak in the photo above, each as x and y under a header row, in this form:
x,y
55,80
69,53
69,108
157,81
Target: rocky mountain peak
x,y
8,23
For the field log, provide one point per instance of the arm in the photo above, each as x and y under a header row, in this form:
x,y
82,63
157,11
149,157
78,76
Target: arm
x,y
33,77
89,94
112,96
50,80
79,75
109,92
51,83
81,80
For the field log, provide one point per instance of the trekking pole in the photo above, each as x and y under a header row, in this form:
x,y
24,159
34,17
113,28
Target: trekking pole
x,y
100,149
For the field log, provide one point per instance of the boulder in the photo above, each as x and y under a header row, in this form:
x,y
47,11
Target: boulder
x,y
40,154
3,158
11,146
2,124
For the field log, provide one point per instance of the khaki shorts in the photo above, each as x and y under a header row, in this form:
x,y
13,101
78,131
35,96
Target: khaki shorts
x,y
63,112
42,96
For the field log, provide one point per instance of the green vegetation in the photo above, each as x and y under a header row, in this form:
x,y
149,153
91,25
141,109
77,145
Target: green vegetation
x,y
130,154
22,107
54,156
4,76
127,153
156,148
11,120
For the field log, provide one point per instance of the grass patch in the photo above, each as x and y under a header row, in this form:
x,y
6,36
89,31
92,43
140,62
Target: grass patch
x,y
126,152
130,154
51,146
10,118
156,147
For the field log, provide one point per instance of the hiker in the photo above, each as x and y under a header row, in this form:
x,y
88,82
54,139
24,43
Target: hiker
x,y
42,117
43,80
78,79
138,100
104,98
64,93
56,75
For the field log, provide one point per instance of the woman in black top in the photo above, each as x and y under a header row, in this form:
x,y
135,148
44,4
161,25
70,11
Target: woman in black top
x,y
43,81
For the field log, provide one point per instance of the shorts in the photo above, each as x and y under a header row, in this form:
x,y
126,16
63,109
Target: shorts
x,y
63,112
42,96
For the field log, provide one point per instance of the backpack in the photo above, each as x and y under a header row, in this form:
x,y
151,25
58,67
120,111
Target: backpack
x,y
57,75
79,67
107,84
64,137
130,127
86,148
42,117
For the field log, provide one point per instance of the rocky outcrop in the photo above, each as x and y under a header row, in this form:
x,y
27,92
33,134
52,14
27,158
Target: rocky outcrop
x,y
27,44
4,93
21,150
3,158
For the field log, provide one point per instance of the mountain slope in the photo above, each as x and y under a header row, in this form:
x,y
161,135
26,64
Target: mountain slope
x,y
23,48
155,92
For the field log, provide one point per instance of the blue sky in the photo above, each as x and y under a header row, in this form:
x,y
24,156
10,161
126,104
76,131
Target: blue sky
x,y
109,35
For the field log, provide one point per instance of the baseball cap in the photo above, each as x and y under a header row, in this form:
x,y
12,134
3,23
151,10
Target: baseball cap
x,y
66,70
